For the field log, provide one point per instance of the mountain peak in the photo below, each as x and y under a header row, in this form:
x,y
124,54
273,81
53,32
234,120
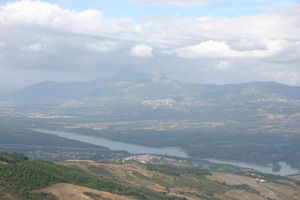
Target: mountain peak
x,y
157,77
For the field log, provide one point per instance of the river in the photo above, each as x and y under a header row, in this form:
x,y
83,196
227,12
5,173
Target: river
x,y
284,171
114,145
139,149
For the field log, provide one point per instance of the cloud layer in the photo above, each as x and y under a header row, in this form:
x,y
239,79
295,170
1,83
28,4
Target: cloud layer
x,y
42,36
278,51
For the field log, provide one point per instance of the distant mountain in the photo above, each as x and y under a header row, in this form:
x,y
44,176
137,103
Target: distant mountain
x,y
256,105
152,87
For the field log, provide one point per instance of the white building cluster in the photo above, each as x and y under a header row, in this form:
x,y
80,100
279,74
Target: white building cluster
x,y
142,158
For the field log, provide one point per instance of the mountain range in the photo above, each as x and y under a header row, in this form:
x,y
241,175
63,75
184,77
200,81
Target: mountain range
x,y
156,86
154,96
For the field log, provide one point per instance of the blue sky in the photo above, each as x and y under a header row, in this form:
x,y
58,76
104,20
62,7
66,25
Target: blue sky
x,y
126,8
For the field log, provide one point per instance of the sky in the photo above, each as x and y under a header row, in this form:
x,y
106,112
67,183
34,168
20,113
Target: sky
x,y
200,41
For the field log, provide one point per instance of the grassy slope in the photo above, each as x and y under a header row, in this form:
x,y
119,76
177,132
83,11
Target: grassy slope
x,y
189,182
21,176
25,176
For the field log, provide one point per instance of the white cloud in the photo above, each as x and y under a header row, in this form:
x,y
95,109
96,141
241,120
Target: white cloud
x,y
141,51
176,3
32,48
101,46
276,51
281,23
91,22
207,49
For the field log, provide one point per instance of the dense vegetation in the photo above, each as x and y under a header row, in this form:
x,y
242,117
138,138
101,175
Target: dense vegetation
x,y
12,157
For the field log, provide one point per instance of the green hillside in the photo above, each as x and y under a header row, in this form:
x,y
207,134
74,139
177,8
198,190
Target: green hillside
x,y
21,176
12,157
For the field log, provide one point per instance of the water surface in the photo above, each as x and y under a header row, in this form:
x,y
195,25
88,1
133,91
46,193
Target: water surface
x,y
284,171
114,145
139,149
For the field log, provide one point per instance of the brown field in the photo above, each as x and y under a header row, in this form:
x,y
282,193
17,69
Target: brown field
x,y
189,187
4,195
3,163
270,190
64,191
138,176
240,194
296,177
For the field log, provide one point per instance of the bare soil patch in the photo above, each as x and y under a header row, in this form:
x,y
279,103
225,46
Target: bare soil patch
x,y
270,190
6,195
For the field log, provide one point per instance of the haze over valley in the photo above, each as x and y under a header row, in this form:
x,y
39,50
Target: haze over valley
x,y
150,100
236,122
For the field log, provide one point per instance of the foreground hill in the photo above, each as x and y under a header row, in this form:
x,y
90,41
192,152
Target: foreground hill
x,y
24,178
28,179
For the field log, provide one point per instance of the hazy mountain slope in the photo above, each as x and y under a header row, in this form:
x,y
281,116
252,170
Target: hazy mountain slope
x,y
153,86
155,97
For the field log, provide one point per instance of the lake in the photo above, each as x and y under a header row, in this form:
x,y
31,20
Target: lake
x,y
284,171
114,145
139,149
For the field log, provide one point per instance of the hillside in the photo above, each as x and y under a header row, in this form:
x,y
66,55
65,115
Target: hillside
x,y
24,177
34,179
253,107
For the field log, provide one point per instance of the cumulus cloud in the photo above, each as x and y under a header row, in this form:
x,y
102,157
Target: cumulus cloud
x,y
142,50
276,51
91,22
177,3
